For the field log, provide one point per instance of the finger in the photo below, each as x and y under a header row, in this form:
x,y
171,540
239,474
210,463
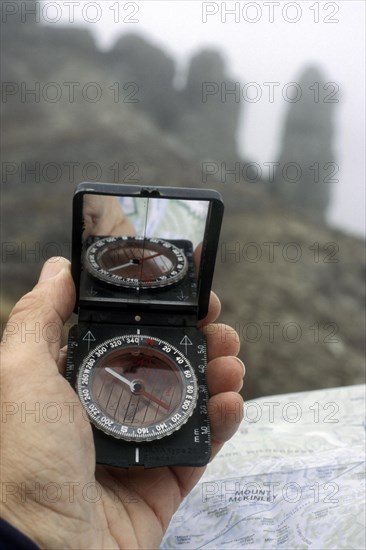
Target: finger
x,y
36,322
103,215
226,413
214,310
225,374
221,340
197,256
61,361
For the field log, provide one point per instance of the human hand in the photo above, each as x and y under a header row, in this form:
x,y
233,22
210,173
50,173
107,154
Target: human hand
x,y
52,489
103,215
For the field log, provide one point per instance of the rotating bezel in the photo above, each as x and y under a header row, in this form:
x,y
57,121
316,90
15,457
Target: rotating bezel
x,y
175,419
95,252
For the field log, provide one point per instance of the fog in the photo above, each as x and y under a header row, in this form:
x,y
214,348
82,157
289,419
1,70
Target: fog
x,y
267,46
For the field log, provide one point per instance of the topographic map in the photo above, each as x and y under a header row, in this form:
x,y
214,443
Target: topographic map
x,y
292,477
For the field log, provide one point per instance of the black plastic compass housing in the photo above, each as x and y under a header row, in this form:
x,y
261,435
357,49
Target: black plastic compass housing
x,y
142,261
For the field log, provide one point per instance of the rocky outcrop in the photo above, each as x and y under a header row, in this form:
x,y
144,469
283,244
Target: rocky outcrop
x,y
209,116
307,170
149,72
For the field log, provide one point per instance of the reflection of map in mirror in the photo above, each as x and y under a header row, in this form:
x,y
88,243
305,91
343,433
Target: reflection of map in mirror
x,y
167,218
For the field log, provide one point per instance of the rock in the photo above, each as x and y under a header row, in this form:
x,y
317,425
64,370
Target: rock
x,y
305,176
149,72
209,120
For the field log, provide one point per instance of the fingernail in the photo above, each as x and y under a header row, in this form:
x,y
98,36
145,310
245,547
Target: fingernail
x,y
241,364
51,268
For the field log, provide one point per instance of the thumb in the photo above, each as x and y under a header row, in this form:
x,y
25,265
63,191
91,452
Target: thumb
x,y
36,323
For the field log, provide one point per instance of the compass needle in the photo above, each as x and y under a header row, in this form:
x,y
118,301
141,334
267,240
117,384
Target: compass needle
x,y
111,269
155,399
151,257
119,376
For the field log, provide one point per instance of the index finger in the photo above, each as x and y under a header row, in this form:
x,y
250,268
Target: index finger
x,y
214,310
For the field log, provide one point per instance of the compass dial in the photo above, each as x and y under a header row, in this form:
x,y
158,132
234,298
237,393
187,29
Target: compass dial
x,y
137,388
136,262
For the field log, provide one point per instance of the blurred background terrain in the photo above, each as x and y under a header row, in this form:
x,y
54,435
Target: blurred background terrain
x,y
291,286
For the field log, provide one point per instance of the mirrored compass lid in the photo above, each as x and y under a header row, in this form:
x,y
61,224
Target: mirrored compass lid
x,y
141,251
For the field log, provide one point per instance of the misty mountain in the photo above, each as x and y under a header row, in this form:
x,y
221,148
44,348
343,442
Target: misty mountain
x,y
291,286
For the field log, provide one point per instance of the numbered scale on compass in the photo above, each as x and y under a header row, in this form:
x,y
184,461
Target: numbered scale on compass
x,y
136,262
137,387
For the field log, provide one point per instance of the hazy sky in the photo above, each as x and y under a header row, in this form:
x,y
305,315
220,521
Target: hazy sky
x,y
263,42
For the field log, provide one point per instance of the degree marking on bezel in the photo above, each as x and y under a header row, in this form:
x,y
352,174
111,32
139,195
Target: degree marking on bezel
x,y
92,266
133,434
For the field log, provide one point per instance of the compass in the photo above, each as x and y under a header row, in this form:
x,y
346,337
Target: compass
x,y
136,357
136,262
137,388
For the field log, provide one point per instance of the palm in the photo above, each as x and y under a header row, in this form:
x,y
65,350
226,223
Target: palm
x,y
126,500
